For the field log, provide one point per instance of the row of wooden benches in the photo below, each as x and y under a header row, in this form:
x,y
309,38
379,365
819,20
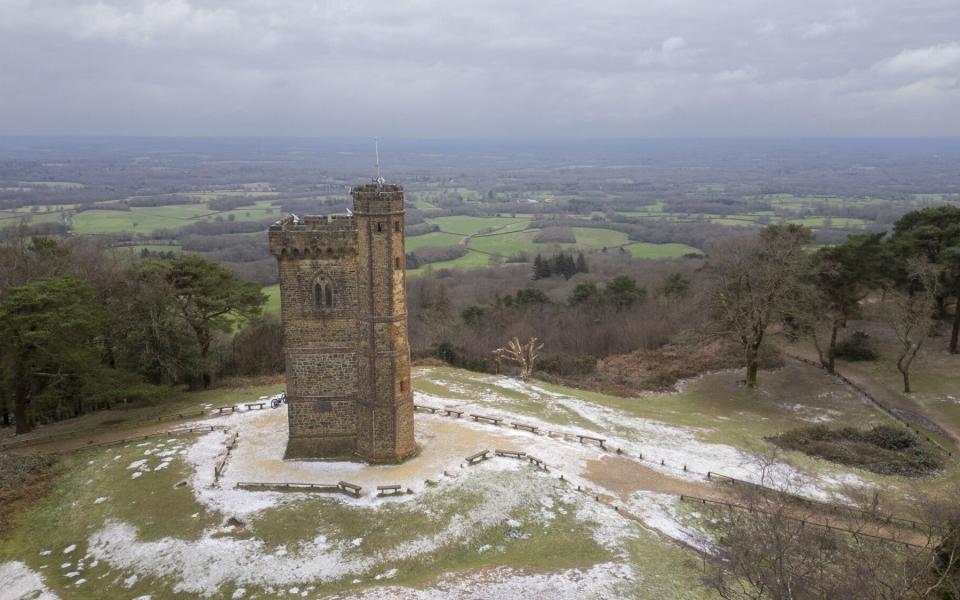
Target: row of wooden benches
x,y
341,487
498,420
235,407
485,454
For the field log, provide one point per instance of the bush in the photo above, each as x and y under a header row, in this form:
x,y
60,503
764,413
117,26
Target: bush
x,y
420,229
555,235
856,348
884,449
563,364
433,254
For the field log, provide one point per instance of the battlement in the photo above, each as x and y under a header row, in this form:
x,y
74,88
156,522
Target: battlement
x,y
317,236
377,199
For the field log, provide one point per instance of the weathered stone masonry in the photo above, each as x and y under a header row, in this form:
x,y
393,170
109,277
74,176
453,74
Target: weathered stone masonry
x,y
344,312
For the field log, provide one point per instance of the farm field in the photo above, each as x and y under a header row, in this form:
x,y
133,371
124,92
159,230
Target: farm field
x,y
148,219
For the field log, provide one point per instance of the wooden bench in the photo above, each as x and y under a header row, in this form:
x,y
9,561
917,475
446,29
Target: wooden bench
x,y
537,463
349,488
600,441
389,490
494,420
432,409
259,405
222,409
510,453
530,428
478,457
452,411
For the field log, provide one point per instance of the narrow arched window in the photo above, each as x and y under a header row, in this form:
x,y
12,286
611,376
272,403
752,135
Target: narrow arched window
x,y
328,296
322,294
318,295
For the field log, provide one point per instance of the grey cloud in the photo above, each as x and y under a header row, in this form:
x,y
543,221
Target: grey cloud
x,y
428,68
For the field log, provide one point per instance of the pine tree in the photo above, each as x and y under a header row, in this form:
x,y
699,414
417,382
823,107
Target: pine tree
x,y
581,263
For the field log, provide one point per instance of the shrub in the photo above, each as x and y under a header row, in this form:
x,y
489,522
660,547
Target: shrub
x,y
855,348
884,449
563,364
555,235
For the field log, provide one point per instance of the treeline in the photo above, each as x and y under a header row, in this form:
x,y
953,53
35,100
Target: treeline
x,y
85,330
771,278
617,307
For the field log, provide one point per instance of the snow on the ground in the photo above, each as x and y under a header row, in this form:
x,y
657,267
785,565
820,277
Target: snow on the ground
x,y
19,581
202,566
605,580
659,511
676,446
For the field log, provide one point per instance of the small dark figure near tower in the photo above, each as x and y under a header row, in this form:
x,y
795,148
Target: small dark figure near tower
x,y
344,311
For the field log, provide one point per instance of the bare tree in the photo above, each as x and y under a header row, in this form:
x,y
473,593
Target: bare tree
x,y
909,313
751,282
522,355
769,546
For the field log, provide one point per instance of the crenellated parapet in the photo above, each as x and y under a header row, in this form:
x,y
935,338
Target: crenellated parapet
x,y
325,236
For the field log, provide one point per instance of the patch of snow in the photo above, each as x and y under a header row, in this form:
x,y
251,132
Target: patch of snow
x,y
605,580
100,500
69,548
137,464
131,581
239,593
19,581
659,512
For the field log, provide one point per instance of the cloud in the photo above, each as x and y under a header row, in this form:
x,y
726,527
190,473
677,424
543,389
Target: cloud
x,y
837,22
931,60
670,50
428,68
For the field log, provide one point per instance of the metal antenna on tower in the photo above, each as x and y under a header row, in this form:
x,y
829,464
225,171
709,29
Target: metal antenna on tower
x,y
376,152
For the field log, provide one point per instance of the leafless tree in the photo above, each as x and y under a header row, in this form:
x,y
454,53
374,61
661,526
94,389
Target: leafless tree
x,y
751,282
909,314
771,547
522,355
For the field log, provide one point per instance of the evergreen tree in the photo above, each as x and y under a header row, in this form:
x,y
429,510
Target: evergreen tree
x,y
581,263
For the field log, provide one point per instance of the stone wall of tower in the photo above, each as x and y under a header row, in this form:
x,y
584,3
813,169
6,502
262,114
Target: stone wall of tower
x,y
320,341
385,400
347,363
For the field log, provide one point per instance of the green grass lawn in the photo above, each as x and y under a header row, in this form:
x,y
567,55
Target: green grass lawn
x,y
471,225
517,519
468,262
146,219
435,238
645,250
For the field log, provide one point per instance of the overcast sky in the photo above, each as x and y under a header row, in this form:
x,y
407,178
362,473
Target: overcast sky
x,y
452,68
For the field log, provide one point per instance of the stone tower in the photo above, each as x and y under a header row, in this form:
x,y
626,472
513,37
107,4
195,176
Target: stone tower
x,y
344,311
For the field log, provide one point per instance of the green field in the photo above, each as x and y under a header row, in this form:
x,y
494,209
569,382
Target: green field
x,y
431,239
468,262
645,250
146,219
473,225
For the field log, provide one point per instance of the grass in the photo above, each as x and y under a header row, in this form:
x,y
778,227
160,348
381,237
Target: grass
x,y
146,219
70,513
646,250
431,239
519,538
472,225
467,262
272,306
